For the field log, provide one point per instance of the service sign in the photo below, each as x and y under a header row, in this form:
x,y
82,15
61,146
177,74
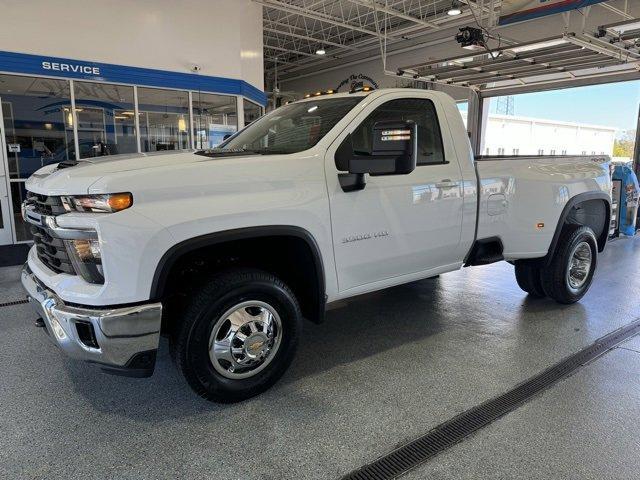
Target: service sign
x,y
520,10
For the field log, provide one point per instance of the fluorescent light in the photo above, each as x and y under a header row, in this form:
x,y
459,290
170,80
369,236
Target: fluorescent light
x,y
455,9
313,109
320,51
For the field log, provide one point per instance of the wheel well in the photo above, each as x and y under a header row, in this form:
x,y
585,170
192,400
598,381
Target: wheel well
x,y
290,257
590,209
593,214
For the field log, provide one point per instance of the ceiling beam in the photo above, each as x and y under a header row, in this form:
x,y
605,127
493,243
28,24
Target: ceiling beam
x,y
321,17
268,23
376,6
305,37
287,50
603,47
615,10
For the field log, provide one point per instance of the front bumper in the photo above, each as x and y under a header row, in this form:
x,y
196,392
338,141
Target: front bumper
x,y
122,340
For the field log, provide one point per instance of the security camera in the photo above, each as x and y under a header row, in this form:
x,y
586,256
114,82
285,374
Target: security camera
x,y
196,68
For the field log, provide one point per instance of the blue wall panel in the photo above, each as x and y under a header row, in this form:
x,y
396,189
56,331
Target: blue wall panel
x,y
83,70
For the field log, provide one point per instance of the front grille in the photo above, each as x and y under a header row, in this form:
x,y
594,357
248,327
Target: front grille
x,y
46,205
51,251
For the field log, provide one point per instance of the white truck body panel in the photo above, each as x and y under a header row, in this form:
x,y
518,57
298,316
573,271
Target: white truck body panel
x,y
429,229
519,194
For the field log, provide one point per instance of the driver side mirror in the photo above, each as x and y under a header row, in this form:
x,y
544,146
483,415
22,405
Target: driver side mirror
x,y
394,152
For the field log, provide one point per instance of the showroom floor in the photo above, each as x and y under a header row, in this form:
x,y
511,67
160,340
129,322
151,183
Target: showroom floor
x,y
379,372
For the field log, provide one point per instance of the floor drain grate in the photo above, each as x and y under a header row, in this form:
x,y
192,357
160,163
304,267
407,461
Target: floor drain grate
x,y
447,434
15,302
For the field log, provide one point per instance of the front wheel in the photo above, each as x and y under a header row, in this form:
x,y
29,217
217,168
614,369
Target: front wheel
x,y
237,336
569,275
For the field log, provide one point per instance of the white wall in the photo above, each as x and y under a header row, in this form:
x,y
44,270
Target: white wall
x,y
529,135
224,37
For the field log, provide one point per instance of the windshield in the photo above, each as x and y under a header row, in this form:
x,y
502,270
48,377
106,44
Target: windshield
x,y
289,129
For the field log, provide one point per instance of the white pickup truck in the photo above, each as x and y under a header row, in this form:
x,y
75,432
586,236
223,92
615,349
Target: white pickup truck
x,y
225,251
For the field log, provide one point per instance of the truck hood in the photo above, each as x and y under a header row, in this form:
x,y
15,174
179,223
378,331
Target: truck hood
x,y
78,179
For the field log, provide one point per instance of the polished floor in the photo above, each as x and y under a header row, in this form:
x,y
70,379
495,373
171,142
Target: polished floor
x,y
379,372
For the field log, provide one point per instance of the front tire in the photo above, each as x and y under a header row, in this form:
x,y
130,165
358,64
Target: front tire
x,y
569,275
237,336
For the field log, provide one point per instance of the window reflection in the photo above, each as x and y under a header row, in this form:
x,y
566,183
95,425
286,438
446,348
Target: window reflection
x,y
34,112
215,118
252,111
164,119
106,119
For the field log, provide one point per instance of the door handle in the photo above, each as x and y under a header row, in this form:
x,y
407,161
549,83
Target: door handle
x,y
446,183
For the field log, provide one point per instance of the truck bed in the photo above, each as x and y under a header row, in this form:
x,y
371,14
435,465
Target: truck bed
x,y
521,198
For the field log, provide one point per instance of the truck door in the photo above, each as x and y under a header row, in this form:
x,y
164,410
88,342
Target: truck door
x,y
399,227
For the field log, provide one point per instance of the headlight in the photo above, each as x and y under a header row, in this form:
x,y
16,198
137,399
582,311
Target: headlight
x,y
109,203
86,258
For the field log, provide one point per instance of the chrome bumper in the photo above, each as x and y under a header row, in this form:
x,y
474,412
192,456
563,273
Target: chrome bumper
x,y
122,340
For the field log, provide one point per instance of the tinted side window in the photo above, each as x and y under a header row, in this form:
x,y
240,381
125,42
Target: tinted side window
x,y
421,111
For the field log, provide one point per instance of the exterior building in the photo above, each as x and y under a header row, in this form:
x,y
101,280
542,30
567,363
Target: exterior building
x,y
514,135
153,81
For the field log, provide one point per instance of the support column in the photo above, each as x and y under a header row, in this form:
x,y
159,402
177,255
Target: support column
x,y
240,108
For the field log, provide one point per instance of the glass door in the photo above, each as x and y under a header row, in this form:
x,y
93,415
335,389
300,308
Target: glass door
x,y
6,232
37,130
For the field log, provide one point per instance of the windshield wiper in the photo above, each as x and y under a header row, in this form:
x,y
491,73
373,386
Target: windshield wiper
x,y
212,152
267,151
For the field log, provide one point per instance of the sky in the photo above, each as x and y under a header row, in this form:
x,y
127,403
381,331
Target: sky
x,y
614,105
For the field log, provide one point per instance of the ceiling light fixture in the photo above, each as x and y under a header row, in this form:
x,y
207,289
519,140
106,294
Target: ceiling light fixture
x,y
320,51
455,9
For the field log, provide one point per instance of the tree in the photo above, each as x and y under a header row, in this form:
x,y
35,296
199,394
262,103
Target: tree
x,y
623,145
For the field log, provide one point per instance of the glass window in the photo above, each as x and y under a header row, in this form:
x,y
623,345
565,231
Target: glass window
x,y
252,111
421,111
18,194
106,119
463,108
36,112
164,119
215,117
292,128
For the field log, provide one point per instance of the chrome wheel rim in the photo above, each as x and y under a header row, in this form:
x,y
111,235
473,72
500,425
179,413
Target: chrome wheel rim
x,y
579,266
245,339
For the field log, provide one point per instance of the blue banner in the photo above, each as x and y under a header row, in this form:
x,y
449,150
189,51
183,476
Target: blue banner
x,y
520,10
11,62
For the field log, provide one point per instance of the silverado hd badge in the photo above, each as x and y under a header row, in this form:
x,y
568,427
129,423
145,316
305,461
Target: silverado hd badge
x,y
364,236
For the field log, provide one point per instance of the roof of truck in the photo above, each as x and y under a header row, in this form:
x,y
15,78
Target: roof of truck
x,y
323,96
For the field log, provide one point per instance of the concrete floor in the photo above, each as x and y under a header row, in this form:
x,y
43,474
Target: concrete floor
x,y
377,373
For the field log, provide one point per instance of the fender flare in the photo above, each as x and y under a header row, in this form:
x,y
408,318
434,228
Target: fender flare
x,y
573,201
169,258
